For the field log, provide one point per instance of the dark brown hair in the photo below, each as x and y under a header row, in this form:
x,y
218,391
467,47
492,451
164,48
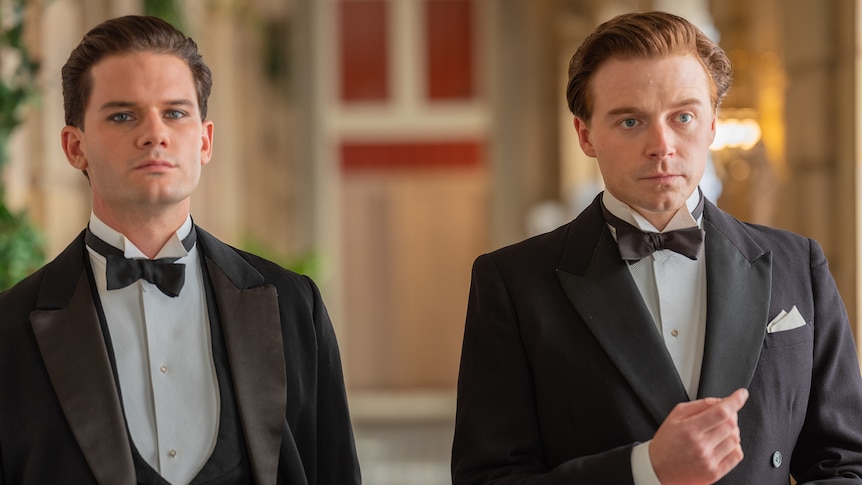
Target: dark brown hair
x,y
122,35
643,35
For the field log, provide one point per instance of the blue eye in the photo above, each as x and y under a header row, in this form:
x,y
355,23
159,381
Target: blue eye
x,y
630,122
175,114
686,117
120,117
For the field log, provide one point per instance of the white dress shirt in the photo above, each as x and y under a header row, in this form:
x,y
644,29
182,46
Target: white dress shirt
x,y
673,288
163,353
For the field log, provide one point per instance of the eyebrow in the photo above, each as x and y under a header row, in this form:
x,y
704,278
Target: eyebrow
x,y
129,104
623,110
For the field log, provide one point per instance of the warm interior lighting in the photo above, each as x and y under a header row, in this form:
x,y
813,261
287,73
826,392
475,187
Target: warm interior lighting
x,y
742,133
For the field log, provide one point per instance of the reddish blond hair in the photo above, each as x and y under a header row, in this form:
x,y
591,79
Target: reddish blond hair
x,y
643,35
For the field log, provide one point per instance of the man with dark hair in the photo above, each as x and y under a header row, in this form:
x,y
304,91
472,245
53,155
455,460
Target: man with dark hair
x,y
149,351
655,338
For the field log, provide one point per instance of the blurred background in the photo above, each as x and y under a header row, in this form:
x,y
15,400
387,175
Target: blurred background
x,y
381,145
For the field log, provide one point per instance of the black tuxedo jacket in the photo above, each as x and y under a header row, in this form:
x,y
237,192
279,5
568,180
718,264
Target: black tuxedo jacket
x,y
563,372
61,419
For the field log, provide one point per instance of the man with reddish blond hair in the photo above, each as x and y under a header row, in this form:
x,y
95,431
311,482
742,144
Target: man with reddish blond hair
x,y
655,339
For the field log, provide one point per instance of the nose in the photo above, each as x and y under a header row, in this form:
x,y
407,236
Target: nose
x,y
660,143
153,131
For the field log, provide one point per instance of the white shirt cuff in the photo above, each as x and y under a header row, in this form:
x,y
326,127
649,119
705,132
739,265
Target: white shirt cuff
x,y
642,471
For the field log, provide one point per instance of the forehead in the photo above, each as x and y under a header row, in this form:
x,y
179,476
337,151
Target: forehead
x,y
649,81
132,76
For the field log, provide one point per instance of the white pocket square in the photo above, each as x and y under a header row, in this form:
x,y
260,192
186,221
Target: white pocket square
x,y
786,321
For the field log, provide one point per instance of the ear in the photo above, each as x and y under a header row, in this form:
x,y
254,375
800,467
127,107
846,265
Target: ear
x,y
583,130
712,127
206,141
71,138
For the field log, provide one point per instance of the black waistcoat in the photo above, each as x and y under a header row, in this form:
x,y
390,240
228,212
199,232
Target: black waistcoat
x,y
228,464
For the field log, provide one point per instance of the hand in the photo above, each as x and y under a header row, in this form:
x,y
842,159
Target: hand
x,y
698,442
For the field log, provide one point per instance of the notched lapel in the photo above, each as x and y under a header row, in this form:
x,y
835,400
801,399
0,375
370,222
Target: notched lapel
x,y
73,349
606,297
252,329
738,293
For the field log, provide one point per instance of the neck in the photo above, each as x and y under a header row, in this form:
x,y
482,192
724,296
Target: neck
x,y
664,219
148,232
659,221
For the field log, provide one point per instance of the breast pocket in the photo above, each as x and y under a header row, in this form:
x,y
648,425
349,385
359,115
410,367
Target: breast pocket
x,y
788,338
781,386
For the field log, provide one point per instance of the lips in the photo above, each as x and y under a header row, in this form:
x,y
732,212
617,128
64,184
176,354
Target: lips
x,y
155,165
662,177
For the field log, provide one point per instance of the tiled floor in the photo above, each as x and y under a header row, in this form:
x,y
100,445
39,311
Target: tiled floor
x,y
404,453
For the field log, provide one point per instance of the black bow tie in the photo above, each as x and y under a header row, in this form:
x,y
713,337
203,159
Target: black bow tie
x,y
165,273
635,244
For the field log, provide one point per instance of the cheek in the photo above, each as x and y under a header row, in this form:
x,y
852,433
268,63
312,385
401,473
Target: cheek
x,y
618,156
704,135
612,172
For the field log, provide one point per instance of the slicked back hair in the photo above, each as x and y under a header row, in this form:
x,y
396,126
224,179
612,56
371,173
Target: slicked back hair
x,y
122,35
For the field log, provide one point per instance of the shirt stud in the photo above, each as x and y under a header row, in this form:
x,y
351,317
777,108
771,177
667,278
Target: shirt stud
x,y
776,459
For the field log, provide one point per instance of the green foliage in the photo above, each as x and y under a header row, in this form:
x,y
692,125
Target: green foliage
x,y
18,83
20,248
167,10
20,243
310,263
277,37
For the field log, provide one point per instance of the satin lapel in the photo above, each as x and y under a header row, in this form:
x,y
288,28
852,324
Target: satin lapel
x,y
73,349
252,330
609,303
738,289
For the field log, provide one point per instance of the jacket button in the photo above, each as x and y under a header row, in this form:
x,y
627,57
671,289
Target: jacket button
x,y
776,459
